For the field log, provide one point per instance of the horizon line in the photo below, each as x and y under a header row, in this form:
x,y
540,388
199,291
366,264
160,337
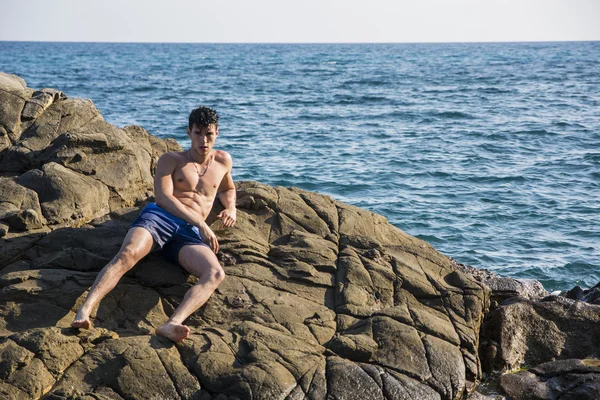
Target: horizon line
x,y
303,43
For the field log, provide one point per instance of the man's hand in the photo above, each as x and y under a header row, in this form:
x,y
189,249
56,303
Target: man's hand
x,y
208,237
228,217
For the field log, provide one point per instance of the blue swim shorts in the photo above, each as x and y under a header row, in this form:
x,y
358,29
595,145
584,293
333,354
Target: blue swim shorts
x,y
169,232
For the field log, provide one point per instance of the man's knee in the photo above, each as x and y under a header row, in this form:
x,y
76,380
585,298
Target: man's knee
x,y
128,257
216,275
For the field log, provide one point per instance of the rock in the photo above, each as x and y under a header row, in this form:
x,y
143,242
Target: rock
x,y
67,195
61,163
504,287
532,332
591,295
298,313
32,179
3,229
480,396
25,219
39,102
13,95
503,290
321,300
569,379
19,206
13,246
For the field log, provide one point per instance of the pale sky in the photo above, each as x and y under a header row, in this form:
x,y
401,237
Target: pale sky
x,y
305,21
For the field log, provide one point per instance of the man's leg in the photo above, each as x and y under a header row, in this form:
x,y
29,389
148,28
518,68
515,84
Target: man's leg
x,y
200,261
136,245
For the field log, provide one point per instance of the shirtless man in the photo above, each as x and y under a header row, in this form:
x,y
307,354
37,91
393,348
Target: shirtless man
x,y
185,186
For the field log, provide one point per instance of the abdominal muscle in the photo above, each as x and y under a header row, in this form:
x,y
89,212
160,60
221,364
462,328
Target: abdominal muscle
x,y
195,203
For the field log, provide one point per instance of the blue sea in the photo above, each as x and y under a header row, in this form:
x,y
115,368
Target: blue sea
x,y
490,152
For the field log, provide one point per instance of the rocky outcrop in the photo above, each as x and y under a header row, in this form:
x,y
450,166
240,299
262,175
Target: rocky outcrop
x,y
504,287
532,332
322,300
543,349
62,164
591,295
570,379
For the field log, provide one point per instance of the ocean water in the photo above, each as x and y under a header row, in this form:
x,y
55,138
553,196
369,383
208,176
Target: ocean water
x,y
490,152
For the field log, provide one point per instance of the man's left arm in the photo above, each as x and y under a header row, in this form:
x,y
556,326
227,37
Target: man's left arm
x,y
227,195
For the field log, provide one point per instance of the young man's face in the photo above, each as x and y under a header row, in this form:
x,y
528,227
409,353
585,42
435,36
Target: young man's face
x,y
203,138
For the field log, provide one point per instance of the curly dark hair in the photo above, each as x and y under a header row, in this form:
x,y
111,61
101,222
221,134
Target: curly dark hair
x,y
203,116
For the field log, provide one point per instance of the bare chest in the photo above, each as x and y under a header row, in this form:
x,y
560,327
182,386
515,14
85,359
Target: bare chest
x,y
188,178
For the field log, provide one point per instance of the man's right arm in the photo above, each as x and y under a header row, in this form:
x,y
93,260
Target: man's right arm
x,y
163,190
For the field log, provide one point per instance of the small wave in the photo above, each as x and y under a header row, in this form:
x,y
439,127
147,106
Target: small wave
x,y
452,115
497,179
367,82
320,71
168,97
402,115
143,89
441,90
437,174
594,157
316,117
493,148
580,209
537,132
208,67
495,136
557,244
493,90
362,100
431,239
585,233
563,124
301,102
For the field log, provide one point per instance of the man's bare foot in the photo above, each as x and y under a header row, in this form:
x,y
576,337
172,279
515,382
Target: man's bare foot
x,y
81,321
173,332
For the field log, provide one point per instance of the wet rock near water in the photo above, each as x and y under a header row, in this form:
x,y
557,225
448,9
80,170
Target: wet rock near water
x,y
527,332
504,287
591,295
570,379
552,344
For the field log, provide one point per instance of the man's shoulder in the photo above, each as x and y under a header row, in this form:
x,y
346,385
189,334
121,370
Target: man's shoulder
x,y
171,160
223,157
173,155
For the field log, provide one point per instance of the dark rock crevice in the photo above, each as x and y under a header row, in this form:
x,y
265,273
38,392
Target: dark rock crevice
x,y
170,375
